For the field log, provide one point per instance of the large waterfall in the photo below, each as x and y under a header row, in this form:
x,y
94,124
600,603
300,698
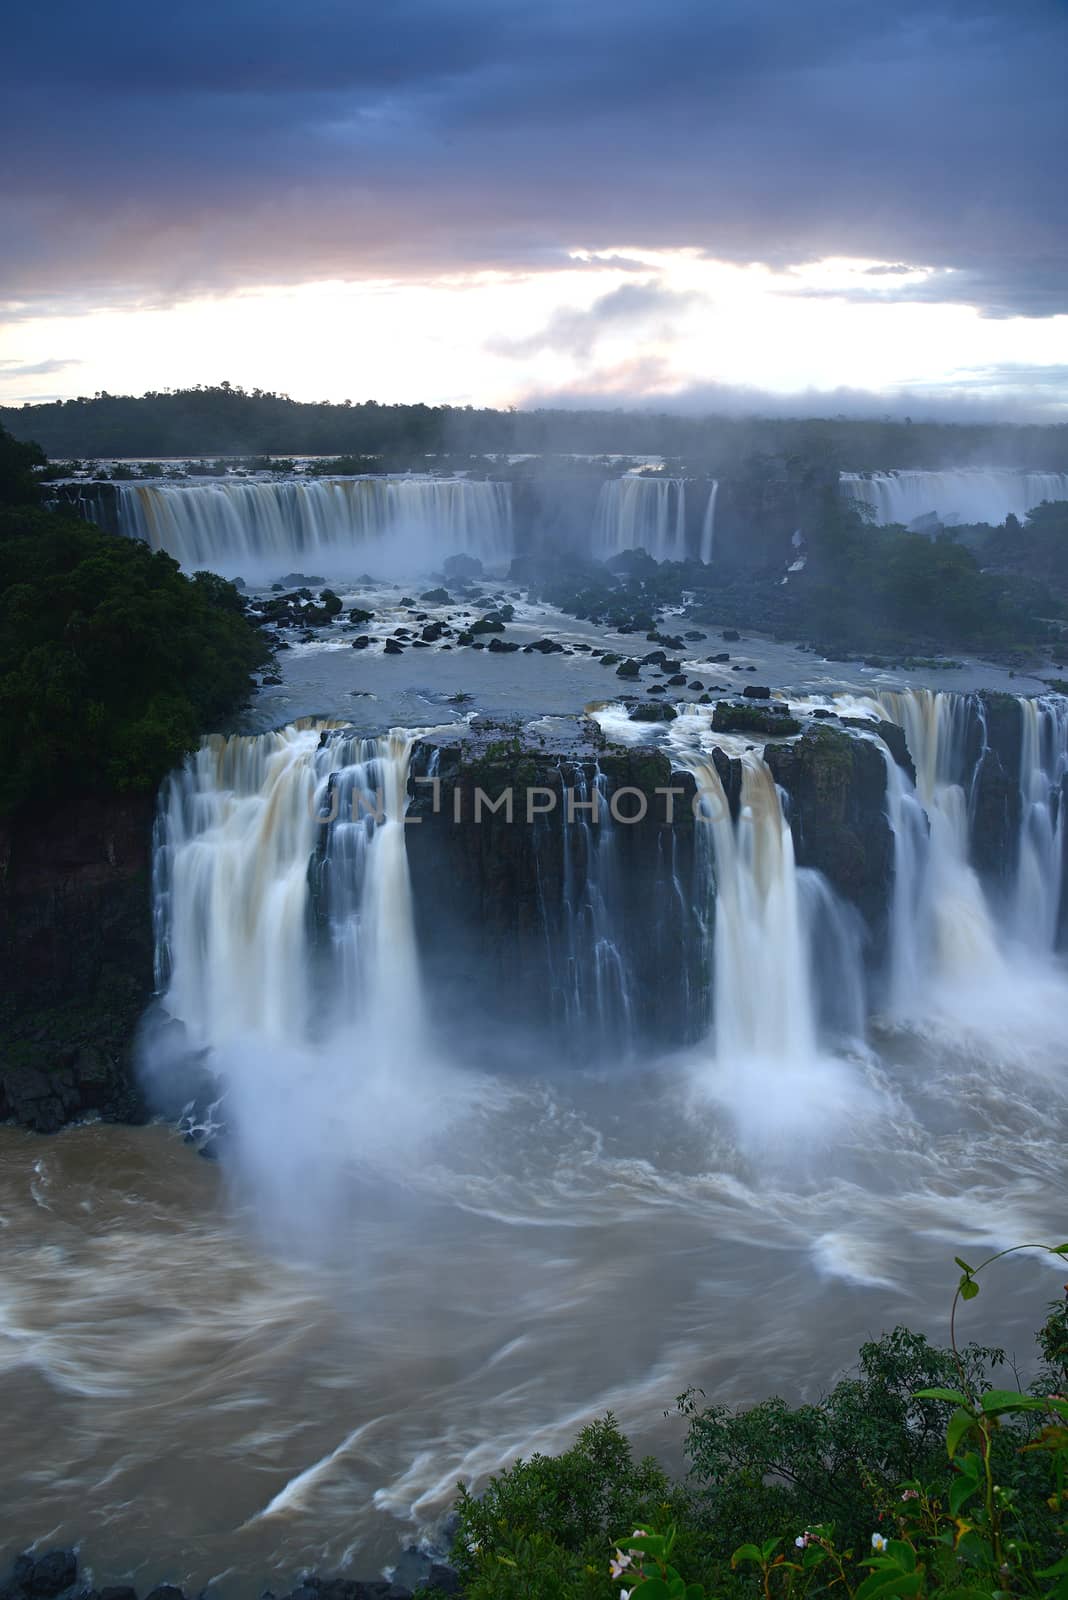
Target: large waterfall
x,y
340,525
965,494
708,525
641,513
774,1022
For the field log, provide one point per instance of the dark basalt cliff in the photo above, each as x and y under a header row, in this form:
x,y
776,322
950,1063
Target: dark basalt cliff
x,y
75,959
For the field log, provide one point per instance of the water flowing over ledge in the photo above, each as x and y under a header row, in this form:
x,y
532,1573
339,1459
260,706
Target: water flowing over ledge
x,y
965,494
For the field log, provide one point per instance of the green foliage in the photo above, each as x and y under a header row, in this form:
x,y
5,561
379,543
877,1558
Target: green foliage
x,y
914,1478
869,588
541,1527
19,471
112,662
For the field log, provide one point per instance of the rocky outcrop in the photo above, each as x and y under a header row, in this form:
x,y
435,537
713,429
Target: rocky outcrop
x,y
836,785
75,958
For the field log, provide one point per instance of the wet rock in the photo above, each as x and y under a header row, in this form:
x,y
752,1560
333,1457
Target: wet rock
x,y
331,603
466,637
677,680
731,635
165,1591
432,632
393,648
756,691
358,615
436,597
694,637
502,646
361,642
462,566
52,1573
118,1591
695,683
271,680
445,1579
654,713
628,669
488,624
720,660
734,717
406,600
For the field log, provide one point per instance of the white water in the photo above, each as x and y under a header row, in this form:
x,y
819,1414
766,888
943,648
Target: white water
x,y
286,950
966,494
708,526
771,1067
1040,872
641,513
252,529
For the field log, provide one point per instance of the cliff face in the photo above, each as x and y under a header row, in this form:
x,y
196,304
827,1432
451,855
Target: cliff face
x,y
75,959
591,931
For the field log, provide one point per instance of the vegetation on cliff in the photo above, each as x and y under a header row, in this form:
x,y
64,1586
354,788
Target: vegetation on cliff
x,y
112,662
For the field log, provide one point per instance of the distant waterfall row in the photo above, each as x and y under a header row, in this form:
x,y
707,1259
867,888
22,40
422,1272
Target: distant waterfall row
x,y
650,514
342,525
967,494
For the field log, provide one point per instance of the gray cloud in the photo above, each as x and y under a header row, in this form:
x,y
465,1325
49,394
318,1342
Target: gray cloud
x,y
576,332
33,369
260,142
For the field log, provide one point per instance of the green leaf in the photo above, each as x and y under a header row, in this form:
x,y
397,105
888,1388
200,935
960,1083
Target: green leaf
x,y
652,1589
881,1585
1002,1400
954,1396
959,1424
1060,1249
968,1288
695,1591
747,1552
1056,1570
960,1491
964,1265
769,1549
902,1554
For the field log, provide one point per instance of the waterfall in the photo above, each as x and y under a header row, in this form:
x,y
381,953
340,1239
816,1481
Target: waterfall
x,y
1036,907
641,513
772,1069
283,906
708,526
589,960
341,524
966,494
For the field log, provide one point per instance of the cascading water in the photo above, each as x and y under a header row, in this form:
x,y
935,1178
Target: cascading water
x,y
771,1070
708,526
286,948
641,513
342,524
968,494
1037,901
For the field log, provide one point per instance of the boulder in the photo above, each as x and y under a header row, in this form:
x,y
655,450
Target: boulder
x,y
756,691
628,669
436,597
393,648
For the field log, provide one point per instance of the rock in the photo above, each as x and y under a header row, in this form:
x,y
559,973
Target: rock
x,y
165,1591
488,624
52,1573
502,646
695,683
718,661
628,669
406,600
445,1579
694,637
731,635
118,1591
670,666
461,566
358,615
393,648
361,642
677,680
647,713
432,632
756,691
609,659
436,597
655,658
331,603
272,679
656,688
733,717
466,637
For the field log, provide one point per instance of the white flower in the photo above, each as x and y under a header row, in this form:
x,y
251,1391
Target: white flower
x,y
624,1594
618,1565
800,1541
878,1542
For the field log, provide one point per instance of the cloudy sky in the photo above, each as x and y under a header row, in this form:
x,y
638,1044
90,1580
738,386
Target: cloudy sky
x,y
709,204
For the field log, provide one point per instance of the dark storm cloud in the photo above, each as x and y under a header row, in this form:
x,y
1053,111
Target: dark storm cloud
x,y
162,151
